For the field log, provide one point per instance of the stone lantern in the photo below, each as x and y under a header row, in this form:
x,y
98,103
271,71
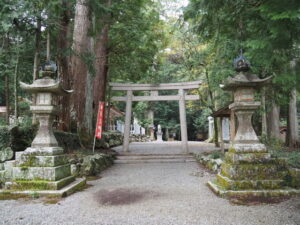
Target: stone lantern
x,y
244,85
43,166
248,169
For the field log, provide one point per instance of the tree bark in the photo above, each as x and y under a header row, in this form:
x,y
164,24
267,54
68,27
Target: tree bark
x,y
293,132
88,114
79,66
216,132
101,66
63,60
264,115
273,120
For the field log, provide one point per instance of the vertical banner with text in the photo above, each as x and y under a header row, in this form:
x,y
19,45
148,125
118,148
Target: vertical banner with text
x,y
99,124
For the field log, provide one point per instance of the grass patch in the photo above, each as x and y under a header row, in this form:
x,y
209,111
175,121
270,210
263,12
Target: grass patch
x,y
92,178
51,201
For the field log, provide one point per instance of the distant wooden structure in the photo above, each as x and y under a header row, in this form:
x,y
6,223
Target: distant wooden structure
x,y
114,114
225,112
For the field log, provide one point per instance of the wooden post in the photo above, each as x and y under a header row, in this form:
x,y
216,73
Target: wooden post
x,y
221,135
183,128
127,121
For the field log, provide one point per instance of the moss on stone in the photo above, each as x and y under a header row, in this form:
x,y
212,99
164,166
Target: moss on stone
x,y
32,185
9,196
253,171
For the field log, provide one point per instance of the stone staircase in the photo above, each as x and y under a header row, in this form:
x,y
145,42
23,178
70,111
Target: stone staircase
x,y
123,158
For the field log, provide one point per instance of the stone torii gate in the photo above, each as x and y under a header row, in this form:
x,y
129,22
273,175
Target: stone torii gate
x,y
154,96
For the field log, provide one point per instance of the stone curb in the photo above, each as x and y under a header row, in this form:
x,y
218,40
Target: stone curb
x,y
261,193
64,192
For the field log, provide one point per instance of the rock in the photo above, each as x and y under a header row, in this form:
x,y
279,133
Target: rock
x,y
6,154
205,158
9,185
215,167
94,164
219,161
8,168
74,170
73,161
88,166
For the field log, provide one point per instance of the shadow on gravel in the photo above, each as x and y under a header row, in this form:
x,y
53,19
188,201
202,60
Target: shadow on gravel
x,y
123,196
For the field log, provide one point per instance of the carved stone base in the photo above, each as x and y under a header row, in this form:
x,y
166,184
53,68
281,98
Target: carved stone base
x,y
43,168
252,173
159,137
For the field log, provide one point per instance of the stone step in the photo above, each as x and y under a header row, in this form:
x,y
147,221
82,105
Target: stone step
x,y
124,161
144,157
154,158
144,154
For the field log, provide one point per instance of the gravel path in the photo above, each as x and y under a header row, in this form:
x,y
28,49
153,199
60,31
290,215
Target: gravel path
x,y
153,194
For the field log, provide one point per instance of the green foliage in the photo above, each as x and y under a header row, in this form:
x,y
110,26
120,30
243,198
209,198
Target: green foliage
x,y
21,137
200,122
267,31
272,143
4,137
216,155
293,157
135,38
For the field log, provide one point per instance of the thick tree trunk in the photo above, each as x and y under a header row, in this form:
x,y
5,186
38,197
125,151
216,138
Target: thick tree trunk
x,y
79,66
264,114
101,63
216,132
88,115
292,134
63,59
292,139
273,120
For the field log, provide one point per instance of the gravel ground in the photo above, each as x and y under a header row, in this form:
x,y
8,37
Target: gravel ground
x,y
154,194
151,194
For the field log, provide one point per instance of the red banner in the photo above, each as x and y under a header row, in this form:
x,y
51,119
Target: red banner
x,y
99,124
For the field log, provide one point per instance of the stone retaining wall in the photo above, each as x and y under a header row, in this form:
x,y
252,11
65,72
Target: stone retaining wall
x,y
90,165
211,162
